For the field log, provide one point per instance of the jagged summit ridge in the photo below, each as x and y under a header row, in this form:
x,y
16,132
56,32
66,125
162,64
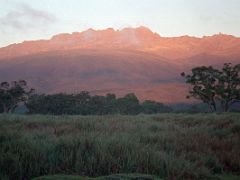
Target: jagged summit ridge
x,y
137,39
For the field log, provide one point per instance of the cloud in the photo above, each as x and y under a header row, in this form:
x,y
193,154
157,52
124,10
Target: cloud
x,y
25,17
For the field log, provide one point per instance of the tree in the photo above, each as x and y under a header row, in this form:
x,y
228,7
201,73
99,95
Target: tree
x,y
37,104
212,85
12,94
85,104
152,107
228,88
129,104
111,103
56,104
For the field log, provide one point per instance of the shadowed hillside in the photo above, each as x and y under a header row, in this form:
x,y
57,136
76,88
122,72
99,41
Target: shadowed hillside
x,y
117,61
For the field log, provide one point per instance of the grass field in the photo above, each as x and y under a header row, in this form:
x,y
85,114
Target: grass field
x,y
166,146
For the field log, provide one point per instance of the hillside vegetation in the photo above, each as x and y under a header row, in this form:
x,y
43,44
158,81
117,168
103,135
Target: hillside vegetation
x,y
168,146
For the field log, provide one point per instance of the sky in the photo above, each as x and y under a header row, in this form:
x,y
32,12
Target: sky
x,y
40,19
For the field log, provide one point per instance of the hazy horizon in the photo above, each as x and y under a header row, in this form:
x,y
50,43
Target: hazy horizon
x,y
32,20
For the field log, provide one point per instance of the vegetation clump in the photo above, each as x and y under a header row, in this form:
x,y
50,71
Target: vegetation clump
x,y
213,86
85,104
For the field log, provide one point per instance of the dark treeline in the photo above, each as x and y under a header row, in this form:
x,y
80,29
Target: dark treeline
x,y
219,89
85,104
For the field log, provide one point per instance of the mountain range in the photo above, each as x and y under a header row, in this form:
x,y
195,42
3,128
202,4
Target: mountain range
x,y
115,61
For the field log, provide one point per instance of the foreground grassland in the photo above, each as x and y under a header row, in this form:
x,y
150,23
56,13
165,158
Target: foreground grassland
x,y
167,146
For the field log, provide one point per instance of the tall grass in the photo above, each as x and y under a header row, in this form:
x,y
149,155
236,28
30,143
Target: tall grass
x,y
171,146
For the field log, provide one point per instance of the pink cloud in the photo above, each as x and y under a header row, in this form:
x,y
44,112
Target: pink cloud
x,y
25,17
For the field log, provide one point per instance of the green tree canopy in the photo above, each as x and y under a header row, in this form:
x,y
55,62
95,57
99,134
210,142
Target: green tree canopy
x,y
11,94
213,86
152,107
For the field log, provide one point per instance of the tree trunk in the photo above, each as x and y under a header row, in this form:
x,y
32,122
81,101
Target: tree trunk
x,y
210,106
213,104
214,107
226,107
